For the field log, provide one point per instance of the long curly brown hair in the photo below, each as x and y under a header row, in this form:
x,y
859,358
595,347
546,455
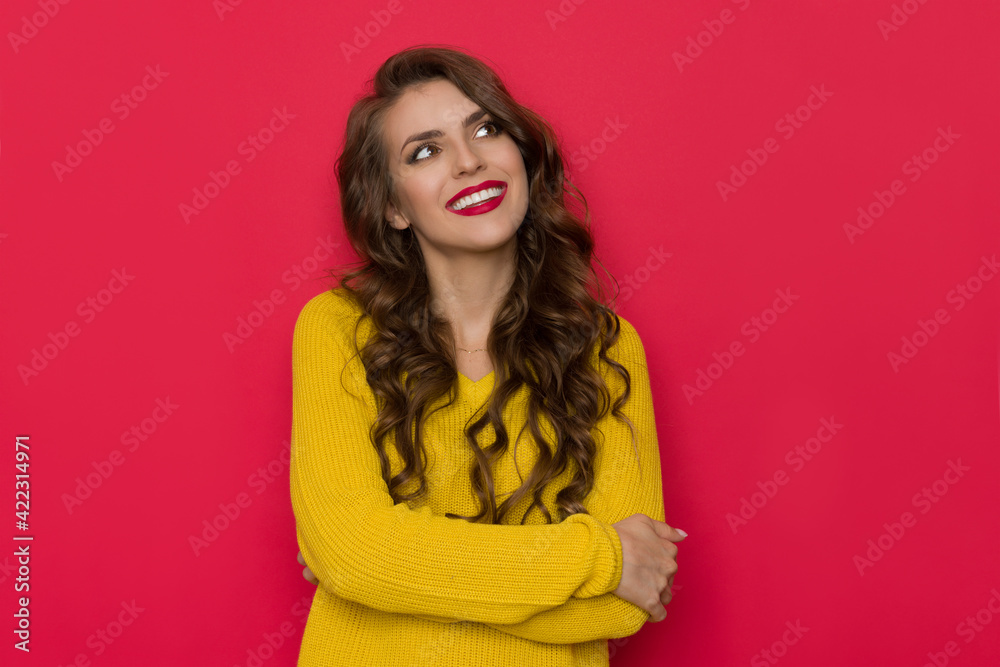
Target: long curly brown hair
x,y
545,333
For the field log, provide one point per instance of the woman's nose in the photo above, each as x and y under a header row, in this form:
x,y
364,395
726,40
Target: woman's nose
x,y
467,159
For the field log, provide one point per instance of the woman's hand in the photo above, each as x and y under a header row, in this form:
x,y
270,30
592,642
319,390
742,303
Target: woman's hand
x,y
648,563
306,572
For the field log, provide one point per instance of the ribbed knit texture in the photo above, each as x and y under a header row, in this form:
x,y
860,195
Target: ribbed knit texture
x,y
404,585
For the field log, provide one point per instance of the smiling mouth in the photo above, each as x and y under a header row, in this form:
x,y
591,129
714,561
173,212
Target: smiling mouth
x,y
477,198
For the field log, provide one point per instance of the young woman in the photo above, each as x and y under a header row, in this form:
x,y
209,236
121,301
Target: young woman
x,y
475,471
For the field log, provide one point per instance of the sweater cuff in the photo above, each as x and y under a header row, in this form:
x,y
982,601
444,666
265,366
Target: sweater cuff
x,y
606,558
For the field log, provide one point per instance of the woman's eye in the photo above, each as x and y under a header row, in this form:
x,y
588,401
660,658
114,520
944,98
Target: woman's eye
x,y
491,125
419,154
423,152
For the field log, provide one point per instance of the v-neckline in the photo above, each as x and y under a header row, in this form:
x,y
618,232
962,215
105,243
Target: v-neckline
x,y
476,383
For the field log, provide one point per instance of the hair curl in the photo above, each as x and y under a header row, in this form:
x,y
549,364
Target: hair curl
x,y
544,334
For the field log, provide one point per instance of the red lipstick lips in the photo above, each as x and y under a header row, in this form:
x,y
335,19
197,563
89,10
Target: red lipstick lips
x,y
482,207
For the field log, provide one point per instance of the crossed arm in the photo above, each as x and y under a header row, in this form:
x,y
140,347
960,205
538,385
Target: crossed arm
x,y
549,583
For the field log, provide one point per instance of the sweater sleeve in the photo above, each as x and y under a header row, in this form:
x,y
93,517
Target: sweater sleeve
x,y
364,548
622,488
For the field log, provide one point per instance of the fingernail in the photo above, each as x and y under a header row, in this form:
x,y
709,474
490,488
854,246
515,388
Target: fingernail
x,y
683,534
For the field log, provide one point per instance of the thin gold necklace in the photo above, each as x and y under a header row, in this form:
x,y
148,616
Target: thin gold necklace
x,y
471,351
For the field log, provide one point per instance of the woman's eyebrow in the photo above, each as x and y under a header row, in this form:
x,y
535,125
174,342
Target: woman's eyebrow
x,y
434,134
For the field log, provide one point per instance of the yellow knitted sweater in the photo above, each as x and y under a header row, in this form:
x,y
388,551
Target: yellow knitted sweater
x,y
403,584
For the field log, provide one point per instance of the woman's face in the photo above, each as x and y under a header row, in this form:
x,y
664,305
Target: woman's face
x,y
442,145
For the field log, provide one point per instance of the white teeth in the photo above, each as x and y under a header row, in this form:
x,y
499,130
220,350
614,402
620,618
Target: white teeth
x,y
476,198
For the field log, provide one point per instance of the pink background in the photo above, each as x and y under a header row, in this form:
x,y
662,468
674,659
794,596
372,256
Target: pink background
x,y
648,137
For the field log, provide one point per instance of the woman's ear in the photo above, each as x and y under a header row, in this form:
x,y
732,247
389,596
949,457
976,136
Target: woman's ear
x,y
395,218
